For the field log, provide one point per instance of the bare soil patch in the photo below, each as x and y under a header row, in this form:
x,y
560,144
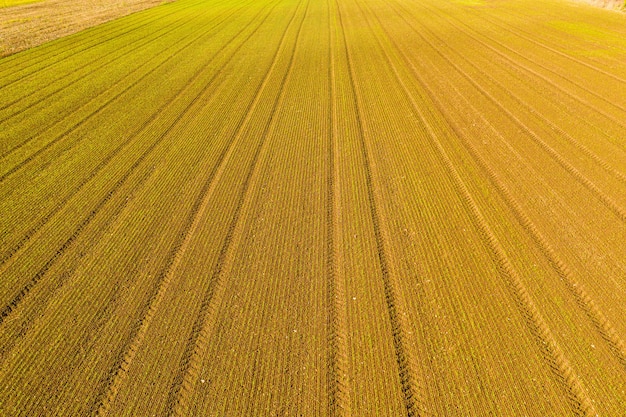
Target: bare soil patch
x,y
29,25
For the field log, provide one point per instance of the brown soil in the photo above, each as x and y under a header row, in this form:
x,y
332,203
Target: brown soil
x,y
32,24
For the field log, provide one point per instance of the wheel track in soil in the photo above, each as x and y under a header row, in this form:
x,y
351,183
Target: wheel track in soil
x,y
133,47
71,52
97,111
552,39
408,371
608,202
581,403
572,95
553,355
33,232
8,309
99,321
338,368
576,290
179,397
61,42
118,374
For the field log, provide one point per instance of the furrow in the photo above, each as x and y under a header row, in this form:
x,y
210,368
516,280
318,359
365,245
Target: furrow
x,y
573,171
130,48
407,368
583,299
553,355
577,290
557,52
569,138
182,387
555,359
57,58
19,297
8,254
12,251
113,86
51,54
65,41
338,385
582,148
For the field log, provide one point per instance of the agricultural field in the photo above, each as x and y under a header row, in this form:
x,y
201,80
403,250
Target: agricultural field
x,y
317,208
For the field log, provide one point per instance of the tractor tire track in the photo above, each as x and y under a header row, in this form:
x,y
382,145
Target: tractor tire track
x,y
338,368
570,139
551,352
29,322
119,371
582,148
99,41
523,67
563,134
553,355
54,57
557,52
408,371
113,86
130,48
52,54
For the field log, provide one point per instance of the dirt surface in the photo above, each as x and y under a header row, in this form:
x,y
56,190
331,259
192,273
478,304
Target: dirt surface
x,y
29,25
